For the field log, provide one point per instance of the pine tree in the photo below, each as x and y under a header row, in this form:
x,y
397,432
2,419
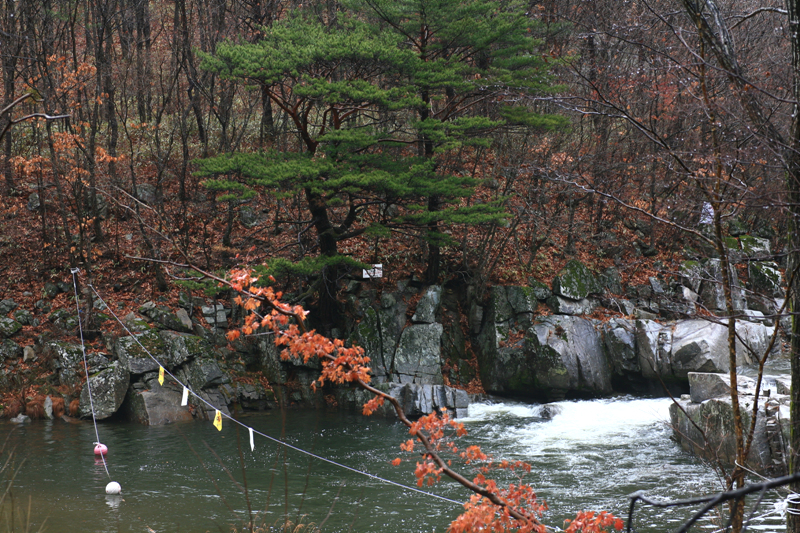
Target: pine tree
x,y
380,100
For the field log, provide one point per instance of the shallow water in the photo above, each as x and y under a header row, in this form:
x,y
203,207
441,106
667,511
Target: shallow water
x,y
178,478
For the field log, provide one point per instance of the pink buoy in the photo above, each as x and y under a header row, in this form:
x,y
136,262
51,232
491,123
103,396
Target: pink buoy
x,y
100,449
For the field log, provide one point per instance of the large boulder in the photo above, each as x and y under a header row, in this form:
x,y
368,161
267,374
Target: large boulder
x,y
567,357
181,347
419,400
135,351
108,388
156,406
702,346
418,355
565,306
703,422
556,357
202,373
575,282
66,359
705,386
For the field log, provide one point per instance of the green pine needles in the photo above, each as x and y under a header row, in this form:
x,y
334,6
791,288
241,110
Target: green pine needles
x,y
389,105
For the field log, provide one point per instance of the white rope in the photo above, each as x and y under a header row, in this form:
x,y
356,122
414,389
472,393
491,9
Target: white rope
x,y
86,365
255,431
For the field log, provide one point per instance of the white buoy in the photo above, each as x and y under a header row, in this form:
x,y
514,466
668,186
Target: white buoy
x,y
113,488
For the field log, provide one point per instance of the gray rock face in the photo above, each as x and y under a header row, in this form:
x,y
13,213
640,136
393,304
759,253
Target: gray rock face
x,y
418,355
416,400
428,305
216,315
702,346
48,408
699,346
711,291
419,400
28,354
108,389
131,351
654,344
714,415
567,356
34,202
704,386
540,291
692,275
619,336
575,282
202,373
156,407
181,347
564,306
24,317
67,359
754,246
51,290
560,355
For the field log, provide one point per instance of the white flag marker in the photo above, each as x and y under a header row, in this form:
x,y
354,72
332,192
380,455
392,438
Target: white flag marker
x,y
185,398
252,444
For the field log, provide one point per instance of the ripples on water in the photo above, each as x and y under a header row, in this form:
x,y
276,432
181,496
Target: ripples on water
x,y
589,456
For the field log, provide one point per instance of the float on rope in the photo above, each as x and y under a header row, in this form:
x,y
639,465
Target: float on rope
x,y
100,449
113,488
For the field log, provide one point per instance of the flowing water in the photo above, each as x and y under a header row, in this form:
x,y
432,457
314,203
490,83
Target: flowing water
x,y
189,477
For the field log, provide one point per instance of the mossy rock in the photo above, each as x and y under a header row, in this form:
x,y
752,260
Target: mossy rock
x,y
63,319
540,290
575,281
766,278
134,351
9,350
736,227
9,327
754,246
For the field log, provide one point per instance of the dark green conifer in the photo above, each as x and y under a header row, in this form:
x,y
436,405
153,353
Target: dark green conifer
x,y
379,102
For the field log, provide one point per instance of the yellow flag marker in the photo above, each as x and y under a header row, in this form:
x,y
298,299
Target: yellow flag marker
x,y
218,420
161,375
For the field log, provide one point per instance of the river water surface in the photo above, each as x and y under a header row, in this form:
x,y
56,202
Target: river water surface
x,y
179,478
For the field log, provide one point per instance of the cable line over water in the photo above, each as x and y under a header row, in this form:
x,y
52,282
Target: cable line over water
x,y
252,431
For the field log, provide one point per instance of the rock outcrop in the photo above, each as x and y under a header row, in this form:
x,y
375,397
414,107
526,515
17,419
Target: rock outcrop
x,y
702,421
537,342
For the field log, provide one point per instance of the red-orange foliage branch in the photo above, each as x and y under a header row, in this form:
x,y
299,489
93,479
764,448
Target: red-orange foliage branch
x,y
491,508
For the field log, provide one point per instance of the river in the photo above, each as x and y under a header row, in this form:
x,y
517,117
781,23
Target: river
x,y
181,477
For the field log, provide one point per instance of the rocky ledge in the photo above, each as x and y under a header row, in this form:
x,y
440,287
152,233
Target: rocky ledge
x,y
702,421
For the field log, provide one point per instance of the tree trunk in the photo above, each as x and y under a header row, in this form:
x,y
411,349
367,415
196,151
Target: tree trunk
x,y
793,200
